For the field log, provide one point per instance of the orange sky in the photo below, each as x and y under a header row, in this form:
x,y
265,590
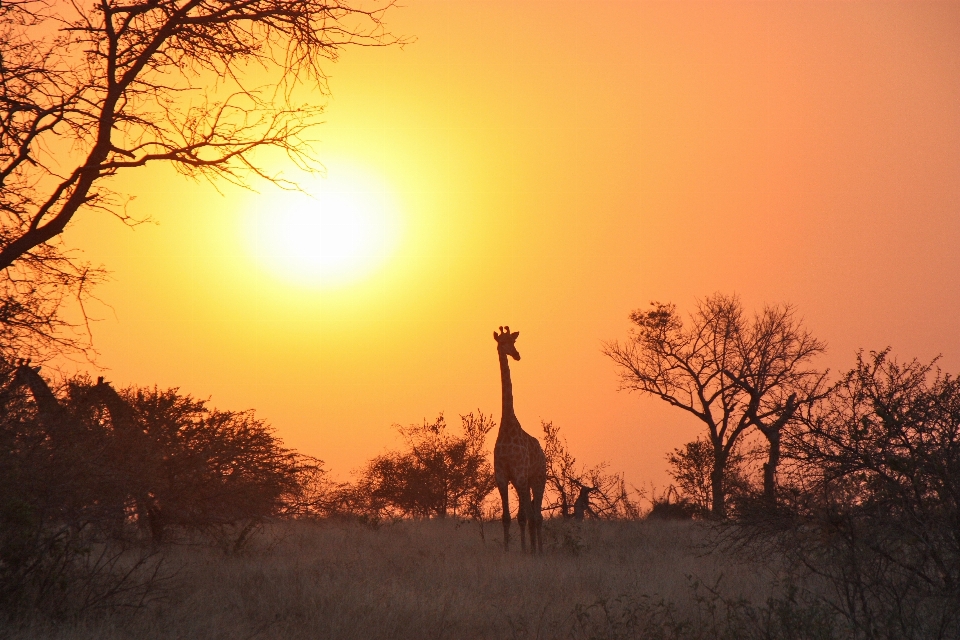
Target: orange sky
x,y
554,165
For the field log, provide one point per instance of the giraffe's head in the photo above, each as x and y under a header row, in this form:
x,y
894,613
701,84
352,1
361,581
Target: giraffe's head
x,y
23,372
507,342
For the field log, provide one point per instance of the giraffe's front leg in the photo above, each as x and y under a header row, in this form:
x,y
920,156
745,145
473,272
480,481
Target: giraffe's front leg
x,y
536,519
505,501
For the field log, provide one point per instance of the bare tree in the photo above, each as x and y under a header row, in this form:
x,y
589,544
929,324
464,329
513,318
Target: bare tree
x,y
93,88
774,352
684,366
730,373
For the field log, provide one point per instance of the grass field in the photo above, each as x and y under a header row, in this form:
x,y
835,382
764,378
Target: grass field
x,y
435,579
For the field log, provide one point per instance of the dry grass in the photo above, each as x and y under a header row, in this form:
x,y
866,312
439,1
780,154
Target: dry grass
x,y
427,579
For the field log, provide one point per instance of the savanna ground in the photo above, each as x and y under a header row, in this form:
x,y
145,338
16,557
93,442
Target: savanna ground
x,y
439,579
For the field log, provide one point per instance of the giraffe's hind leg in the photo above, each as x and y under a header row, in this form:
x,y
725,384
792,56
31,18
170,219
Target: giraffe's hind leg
x,y
505,501
523,513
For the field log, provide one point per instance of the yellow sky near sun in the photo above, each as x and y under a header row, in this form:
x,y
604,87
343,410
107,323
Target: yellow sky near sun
x,y
553,165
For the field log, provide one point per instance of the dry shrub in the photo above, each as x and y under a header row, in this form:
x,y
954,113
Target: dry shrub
x,y
609,496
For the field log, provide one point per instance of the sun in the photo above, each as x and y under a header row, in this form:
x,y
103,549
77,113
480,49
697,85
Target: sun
x,y
340,229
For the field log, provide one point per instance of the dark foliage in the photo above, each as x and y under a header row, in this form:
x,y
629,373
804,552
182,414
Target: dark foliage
x,y
871,509
87,475
672,506
691,466
216,467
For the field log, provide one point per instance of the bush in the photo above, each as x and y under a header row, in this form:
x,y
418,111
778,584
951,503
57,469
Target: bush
x,y
217,468
691,466
672,506
437,474
712,617
872,506
84,471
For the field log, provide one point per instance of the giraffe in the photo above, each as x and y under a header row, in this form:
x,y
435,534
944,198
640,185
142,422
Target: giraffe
x,y
517,457
115,468
52,415
81,478
138,455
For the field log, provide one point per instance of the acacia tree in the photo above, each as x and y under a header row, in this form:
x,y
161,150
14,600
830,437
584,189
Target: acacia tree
x,y
728,372
774,353
436,475
93,88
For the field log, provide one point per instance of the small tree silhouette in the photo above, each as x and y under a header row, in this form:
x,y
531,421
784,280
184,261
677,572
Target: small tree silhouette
x,y
691,466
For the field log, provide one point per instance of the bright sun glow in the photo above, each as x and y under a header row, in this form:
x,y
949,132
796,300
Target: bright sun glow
x,y
341,230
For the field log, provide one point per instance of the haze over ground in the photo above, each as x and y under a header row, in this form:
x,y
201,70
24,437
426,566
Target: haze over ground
x,y
552,166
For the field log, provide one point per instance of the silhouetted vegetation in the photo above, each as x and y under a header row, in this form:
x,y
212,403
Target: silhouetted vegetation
x,y
730,372
871,506
89,474
436,474
218,468
691,466
566,480
864,514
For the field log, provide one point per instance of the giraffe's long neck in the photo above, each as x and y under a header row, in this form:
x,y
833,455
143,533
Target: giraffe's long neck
x,y
120,412
47,403
507,386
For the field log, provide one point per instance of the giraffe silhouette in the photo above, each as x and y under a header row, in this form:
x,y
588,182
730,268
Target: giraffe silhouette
x,y
114,468
138,456
59,422
517,457
82,475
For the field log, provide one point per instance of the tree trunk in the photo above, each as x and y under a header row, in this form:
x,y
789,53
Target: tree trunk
x,y
770,469
718,510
